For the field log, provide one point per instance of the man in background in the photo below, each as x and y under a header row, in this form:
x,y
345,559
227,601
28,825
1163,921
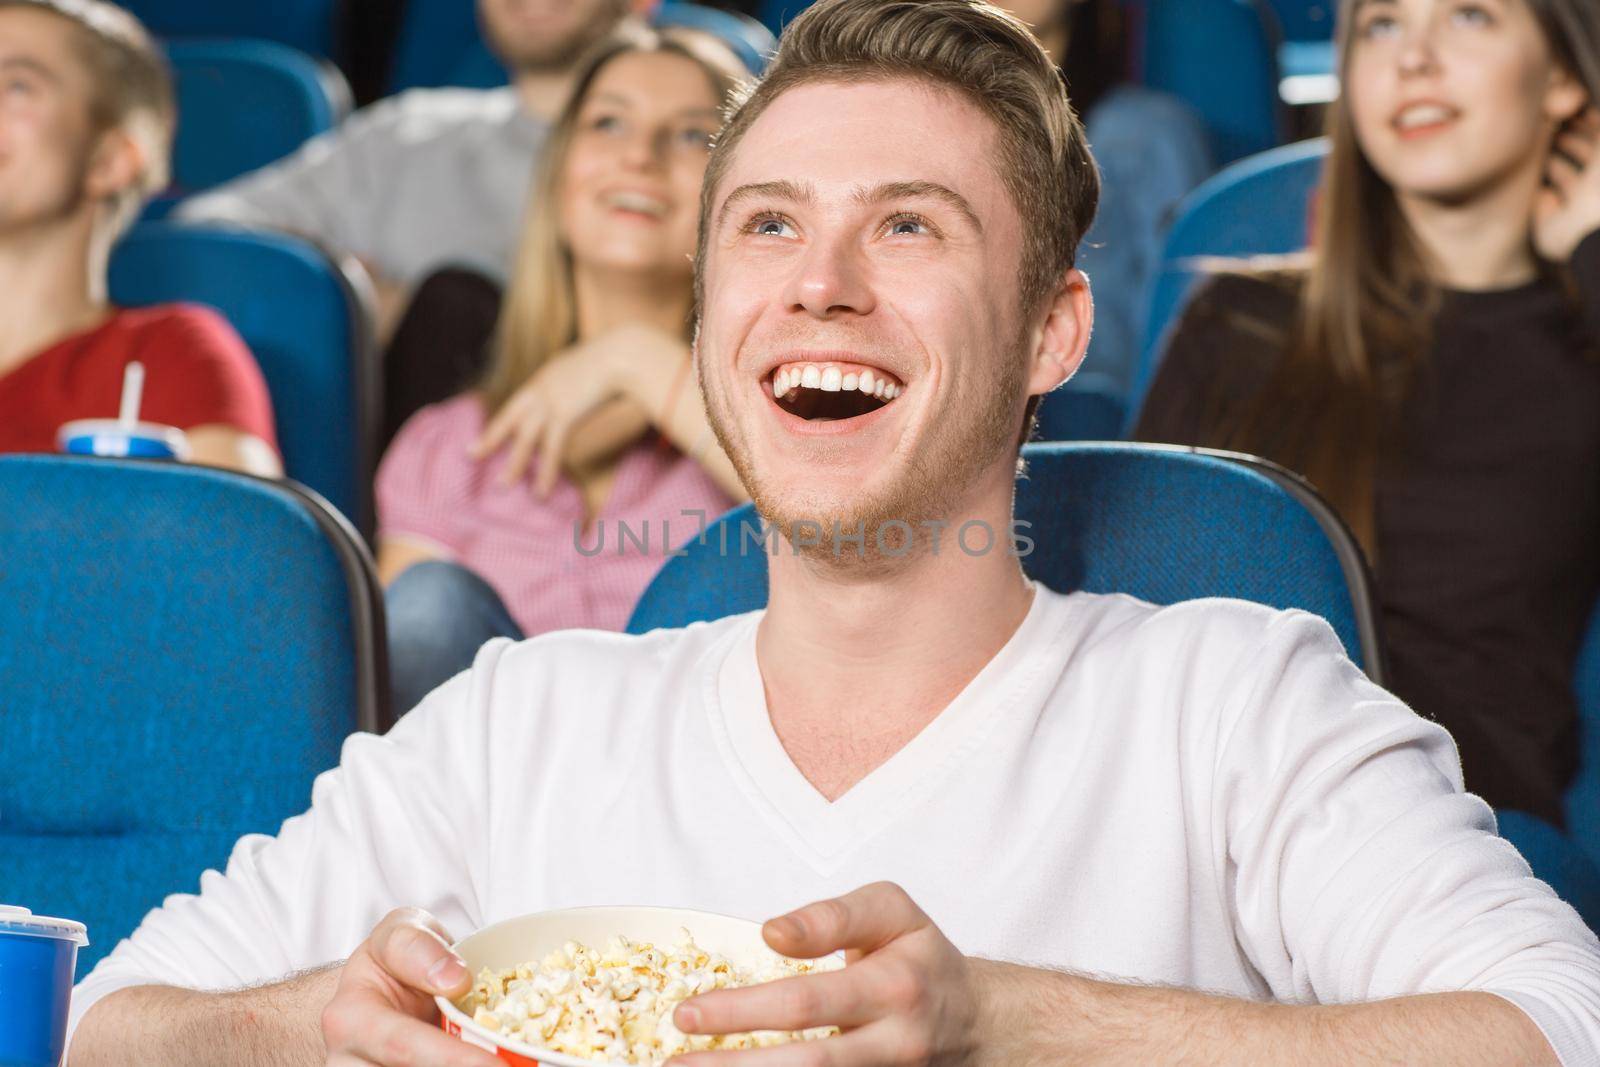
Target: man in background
x,y
431,177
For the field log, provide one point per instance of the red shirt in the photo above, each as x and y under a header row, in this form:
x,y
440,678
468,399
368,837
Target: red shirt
x,y
198,372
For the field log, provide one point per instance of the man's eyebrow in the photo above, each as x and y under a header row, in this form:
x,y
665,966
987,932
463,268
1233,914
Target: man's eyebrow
x,y
920,189
794,192
803,194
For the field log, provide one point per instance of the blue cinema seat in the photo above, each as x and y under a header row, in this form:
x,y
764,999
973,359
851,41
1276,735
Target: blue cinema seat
x,y
440,44
301,315
1306,53
182,650
1090,407
1583,796
311,26
243,104
1220,57
1258,206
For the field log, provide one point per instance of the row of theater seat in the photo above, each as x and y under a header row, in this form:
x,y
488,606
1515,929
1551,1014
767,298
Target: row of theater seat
x,y
246,102
1301,28
122,781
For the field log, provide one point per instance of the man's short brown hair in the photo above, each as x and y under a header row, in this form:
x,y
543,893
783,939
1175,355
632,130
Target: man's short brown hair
x,y
131,87
981,52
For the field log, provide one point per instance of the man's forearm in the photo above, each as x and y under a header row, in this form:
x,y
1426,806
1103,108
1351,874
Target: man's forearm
x,y
1046,1017
278,1025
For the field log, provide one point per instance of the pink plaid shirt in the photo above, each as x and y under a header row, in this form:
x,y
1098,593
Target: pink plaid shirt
x,y
531,551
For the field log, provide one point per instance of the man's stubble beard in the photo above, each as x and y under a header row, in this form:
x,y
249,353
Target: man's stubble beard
x,y
930,488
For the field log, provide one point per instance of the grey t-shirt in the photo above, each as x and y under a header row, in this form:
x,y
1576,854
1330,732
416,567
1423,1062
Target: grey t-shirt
x,y
423,180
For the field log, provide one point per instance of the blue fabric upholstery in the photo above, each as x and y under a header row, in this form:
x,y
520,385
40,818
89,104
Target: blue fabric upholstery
x,y
1219,57
296,311
245,104
440,43
775,14
1557,861
181,651
1306,20
309,25
1258,206
1087,408
1164,524
1303,59
1583,796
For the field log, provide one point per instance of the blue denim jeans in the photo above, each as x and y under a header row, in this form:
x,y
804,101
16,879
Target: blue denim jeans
x,y
439,615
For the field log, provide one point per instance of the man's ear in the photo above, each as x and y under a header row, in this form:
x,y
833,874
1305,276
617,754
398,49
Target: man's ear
x,y
1060,341
115,166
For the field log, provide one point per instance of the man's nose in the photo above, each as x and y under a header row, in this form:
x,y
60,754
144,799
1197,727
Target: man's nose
x,y
830,279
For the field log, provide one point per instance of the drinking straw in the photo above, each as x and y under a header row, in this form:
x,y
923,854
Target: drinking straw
x,y
132,393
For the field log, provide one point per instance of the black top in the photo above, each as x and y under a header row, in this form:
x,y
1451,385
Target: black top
x,y
1488,515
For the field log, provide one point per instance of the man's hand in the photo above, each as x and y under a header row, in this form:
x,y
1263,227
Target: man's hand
x,y
907,995
383,1011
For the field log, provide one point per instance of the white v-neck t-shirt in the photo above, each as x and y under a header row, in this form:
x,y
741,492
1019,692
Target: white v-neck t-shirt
x,y
1207,795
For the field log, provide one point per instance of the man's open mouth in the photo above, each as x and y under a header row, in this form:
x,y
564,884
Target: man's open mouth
x,y
826,392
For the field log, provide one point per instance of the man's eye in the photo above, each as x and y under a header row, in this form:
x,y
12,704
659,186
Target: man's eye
x,y
769,226
907,224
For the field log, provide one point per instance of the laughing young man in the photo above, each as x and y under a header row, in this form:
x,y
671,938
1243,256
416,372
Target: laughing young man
x,y
1196,833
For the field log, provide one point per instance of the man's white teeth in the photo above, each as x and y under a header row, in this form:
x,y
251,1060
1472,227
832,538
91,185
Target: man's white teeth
x,y
1423,115
833,380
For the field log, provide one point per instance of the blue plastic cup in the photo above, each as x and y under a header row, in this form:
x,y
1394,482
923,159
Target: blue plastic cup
x,y
110,437
37,958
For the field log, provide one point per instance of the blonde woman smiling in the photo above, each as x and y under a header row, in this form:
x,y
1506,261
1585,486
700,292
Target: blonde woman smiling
x,y
491,505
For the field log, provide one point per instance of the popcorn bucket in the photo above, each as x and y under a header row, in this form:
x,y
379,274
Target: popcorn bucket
x,y
530,938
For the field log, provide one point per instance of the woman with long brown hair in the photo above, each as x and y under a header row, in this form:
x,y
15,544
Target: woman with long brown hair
x,y
1432,363
547,497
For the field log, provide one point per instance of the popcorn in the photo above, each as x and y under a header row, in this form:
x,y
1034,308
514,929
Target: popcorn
x,y
615,1005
